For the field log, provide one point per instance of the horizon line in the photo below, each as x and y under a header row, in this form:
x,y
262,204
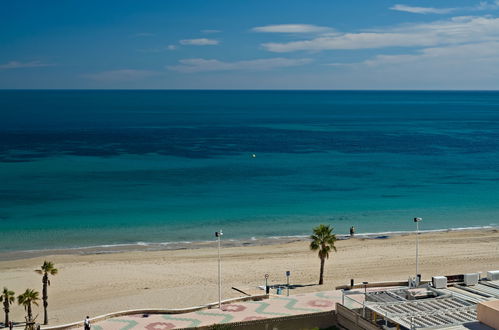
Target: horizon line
x,y
249,89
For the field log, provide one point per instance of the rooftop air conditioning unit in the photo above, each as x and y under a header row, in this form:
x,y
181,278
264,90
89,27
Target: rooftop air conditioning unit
x,y
439,282
493,275
471,279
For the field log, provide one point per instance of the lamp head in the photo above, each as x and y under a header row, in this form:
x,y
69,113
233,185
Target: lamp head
x,y
418,219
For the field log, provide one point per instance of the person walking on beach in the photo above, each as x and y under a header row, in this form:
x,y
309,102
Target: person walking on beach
x,y
86,323
352,231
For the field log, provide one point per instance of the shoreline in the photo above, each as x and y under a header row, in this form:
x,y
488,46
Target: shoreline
x,y
95,284
194,245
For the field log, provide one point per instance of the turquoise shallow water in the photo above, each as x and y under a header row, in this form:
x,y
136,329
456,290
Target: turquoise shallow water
x,y
87,168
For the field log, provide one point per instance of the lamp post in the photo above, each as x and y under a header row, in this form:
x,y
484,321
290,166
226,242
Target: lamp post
x,y
288,273
219,234
417,221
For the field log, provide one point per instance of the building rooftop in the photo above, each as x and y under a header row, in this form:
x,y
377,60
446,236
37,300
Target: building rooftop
x,y
452,307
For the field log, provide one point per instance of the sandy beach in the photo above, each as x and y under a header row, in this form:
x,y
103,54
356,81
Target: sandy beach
x,y
94,284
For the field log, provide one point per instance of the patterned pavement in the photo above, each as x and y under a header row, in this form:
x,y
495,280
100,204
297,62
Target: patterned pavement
x,y
276,306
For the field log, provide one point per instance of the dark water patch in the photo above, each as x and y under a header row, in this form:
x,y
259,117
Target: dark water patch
x,y
7,159
320,188
27,196
339,218
404,185
452,177
392,196
487,179
215,141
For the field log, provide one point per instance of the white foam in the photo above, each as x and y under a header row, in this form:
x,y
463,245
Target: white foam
x,y
129,246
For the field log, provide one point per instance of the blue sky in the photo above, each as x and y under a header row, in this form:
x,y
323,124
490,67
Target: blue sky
x,y
250,44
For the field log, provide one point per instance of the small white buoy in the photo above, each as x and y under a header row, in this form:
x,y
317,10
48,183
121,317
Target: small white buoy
x,y
253,155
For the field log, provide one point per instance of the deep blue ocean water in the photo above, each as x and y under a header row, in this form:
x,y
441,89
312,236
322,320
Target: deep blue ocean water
x,y
85,168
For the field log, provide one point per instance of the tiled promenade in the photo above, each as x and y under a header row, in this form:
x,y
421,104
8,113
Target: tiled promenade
x,y
277,306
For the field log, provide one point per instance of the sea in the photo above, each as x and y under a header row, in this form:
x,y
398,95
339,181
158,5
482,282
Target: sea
x,y
101,168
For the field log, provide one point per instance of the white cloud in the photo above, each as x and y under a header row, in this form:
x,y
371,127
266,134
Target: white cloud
x,y
22,65
171,47
120,75
483,5
452,31
290,28
204,65
422,10
199,42
349,41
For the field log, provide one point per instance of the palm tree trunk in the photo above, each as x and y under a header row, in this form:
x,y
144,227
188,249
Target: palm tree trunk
x,y
45,299
6,309
321,276
29,312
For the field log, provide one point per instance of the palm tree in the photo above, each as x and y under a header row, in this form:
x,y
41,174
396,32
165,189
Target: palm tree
x,y
8,298
46,269
323,240
29,297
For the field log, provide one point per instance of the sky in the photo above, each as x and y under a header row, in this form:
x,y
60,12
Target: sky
x,y
249,44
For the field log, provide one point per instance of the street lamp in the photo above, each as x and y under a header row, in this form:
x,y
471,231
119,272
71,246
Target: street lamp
x,y
288,273
219,234
417,221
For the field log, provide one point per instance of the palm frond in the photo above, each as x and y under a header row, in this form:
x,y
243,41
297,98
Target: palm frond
x,y
323,240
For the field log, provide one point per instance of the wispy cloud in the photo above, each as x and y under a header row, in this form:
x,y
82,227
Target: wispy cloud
x,y
290,28
120,75
210,31
482,5
158,49
468,66
199,42
474,52
23,65
485,5
452,31
422,10
204,65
